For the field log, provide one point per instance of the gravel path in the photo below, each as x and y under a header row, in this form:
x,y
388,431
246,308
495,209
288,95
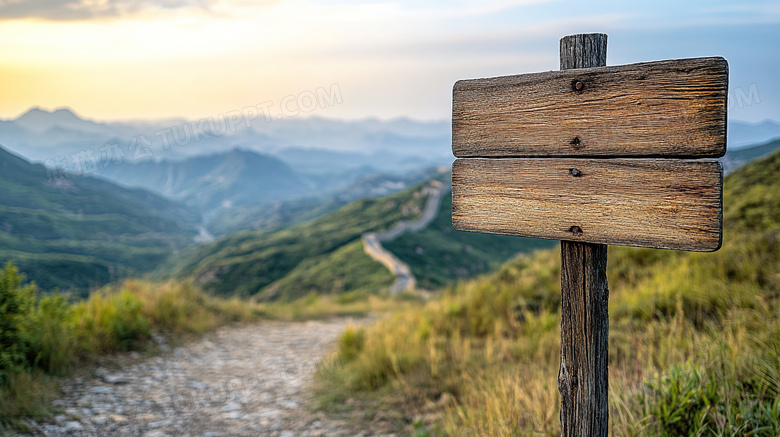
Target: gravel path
x,y
239,381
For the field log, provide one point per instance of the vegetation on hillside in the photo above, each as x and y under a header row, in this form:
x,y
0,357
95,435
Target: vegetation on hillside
x,y
80,233
694,339
250,263
325,255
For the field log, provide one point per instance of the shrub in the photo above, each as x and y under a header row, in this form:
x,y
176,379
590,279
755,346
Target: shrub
x,y
351,342
52,343
108,323
15,304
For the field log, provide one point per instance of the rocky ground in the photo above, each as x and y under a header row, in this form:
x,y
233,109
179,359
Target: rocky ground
x,y
239,381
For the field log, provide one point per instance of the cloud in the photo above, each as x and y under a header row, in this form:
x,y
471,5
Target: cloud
x,y
71,10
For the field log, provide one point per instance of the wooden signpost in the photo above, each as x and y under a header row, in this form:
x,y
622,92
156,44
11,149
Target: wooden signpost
x,y
592,155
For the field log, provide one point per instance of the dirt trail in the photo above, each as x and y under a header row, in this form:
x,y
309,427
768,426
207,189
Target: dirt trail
x,y
238,381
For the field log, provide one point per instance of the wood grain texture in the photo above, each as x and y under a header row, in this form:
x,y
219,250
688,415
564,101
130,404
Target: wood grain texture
x,y
657,109
659,203
583,376
584,50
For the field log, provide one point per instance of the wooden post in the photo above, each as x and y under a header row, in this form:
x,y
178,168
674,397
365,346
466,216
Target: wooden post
x,y
583,378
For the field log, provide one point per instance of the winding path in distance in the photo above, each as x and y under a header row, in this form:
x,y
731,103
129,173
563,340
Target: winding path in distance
x,y
372,241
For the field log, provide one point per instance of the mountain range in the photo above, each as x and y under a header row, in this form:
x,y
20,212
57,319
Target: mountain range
x,y
242,189
315,144
235,178
743,134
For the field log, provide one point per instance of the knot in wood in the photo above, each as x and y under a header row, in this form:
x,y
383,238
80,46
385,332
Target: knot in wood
x,y
575,230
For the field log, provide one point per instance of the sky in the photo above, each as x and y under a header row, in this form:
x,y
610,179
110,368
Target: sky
x,y
123,60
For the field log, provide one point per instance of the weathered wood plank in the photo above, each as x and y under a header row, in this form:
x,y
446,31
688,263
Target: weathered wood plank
x,y
667,108
659,203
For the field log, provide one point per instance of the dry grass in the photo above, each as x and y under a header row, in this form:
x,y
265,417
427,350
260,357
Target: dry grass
x,y
694,339
490,348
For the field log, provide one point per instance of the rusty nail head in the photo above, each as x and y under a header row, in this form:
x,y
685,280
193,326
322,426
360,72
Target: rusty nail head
x,y
575,172
578,85
576,230
576,141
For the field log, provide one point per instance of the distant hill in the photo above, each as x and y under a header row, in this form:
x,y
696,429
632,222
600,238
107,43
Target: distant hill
x,y
235,178
39,120
79,233
738,157
325,255
742,134
281,214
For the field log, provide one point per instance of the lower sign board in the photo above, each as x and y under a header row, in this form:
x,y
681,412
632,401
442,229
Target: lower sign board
x,y
657,203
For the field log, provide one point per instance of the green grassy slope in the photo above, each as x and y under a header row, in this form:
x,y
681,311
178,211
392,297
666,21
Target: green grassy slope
x,y
79,233
248,263
325,255
694,339
439,255
345,270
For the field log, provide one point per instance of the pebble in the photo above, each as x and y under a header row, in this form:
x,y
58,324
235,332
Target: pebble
x,y
101,390
116,379
73,426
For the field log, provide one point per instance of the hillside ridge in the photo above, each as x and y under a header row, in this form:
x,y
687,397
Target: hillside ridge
x,y
83,232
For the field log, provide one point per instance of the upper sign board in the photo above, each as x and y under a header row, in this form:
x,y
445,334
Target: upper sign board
x,y
656,109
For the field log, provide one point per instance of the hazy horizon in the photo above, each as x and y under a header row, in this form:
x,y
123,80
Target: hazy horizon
x,y
156,60
305,116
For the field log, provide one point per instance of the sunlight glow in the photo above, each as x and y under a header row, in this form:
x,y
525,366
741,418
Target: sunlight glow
x,y
168,58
